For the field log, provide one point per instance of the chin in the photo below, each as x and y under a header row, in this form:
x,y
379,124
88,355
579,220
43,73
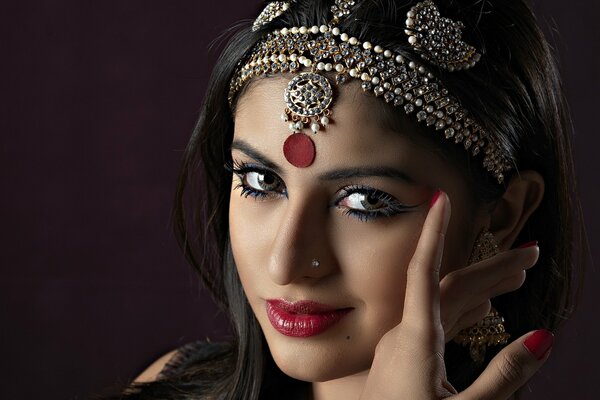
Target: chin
x,y
317,360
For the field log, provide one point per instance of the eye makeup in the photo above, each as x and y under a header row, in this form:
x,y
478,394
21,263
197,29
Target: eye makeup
x,y
357,201
382,204
252,176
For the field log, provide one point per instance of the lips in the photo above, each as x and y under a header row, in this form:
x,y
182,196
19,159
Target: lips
x,y
303,318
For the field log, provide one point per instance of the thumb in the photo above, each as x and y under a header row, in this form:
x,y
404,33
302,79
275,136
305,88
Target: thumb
x,y
512,367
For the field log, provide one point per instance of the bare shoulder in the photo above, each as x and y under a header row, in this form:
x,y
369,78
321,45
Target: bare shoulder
x,y
151,373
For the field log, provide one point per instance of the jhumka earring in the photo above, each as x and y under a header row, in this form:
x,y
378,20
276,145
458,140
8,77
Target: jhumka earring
x,y
489,331
484,248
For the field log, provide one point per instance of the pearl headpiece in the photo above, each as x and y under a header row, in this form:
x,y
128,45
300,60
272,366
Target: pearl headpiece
x,y
271,11
439,39
386,74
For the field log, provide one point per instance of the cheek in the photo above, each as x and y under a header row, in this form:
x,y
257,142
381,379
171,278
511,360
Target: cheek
x,y
253,229
240,229
244,235
374,257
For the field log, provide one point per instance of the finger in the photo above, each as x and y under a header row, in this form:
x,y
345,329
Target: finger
x,y
511,368
468,319
421,304
509,284
463,319
487,273
469,287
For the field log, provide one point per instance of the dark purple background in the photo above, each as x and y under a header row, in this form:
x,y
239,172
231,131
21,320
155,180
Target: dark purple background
x,y
99,98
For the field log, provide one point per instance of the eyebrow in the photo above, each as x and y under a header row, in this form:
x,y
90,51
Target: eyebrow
x,y
363,172
333,175
250,151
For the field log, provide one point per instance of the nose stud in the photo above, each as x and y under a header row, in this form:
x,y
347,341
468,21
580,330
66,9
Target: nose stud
x,y
315,263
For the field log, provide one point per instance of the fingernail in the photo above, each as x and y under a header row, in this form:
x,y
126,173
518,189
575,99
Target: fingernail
x,y
539,343
528,244
435,198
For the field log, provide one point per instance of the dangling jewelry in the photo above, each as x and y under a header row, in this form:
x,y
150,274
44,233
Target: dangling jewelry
x,y
308,97
484,248
489,331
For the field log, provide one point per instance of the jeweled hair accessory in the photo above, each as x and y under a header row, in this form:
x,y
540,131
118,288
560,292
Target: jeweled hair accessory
x,y
438,39
389,75
271,11
341,9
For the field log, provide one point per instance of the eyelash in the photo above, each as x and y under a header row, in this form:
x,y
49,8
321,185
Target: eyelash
x,y
393,207
241,169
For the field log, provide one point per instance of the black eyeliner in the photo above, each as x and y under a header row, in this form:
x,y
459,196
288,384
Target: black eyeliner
x,y
241,168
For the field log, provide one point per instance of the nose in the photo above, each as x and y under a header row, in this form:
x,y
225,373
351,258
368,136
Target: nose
x,y
302,237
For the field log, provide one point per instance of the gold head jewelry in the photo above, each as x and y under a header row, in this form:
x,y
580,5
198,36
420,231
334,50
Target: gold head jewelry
x,y
312,52
439,39
489,331
271,11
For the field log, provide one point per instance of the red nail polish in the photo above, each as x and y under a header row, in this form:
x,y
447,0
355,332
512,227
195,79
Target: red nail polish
x,y
539,343
435,197
528,244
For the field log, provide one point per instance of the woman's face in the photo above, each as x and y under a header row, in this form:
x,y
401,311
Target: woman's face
x,y
358,209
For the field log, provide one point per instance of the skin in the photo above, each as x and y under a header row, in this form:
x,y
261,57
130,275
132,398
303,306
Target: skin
x,y
363,263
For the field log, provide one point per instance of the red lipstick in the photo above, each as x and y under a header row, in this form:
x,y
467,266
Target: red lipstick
x,y
303,318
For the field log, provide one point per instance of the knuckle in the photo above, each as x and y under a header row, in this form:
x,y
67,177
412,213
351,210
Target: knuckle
x,y
392,345
510,369
513,282
484,309
519,279
387,342
447,324
509,284
452,279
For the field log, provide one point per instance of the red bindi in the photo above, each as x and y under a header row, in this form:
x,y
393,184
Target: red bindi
x,y
299,150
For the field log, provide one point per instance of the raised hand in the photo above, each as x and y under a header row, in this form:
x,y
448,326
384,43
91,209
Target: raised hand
x,y
465,293
409,359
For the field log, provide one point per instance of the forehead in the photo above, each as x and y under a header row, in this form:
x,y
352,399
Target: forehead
x,y
357,134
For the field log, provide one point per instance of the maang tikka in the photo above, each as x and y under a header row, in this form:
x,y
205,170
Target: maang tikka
x,y
308,97
401,82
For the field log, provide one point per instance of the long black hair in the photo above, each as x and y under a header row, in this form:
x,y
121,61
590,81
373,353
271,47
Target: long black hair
x,y
515,91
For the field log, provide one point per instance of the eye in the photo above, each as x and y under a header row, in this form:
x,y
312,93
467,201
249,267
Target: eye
x,y
256,181
262,181
365,203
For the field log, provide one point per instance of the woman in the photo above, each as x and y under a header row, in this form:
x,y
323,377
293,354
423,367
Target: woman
x,y
363,185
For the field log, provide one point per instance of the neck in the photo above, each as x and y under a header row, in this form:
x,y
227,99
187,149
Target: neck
x,y
348,388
